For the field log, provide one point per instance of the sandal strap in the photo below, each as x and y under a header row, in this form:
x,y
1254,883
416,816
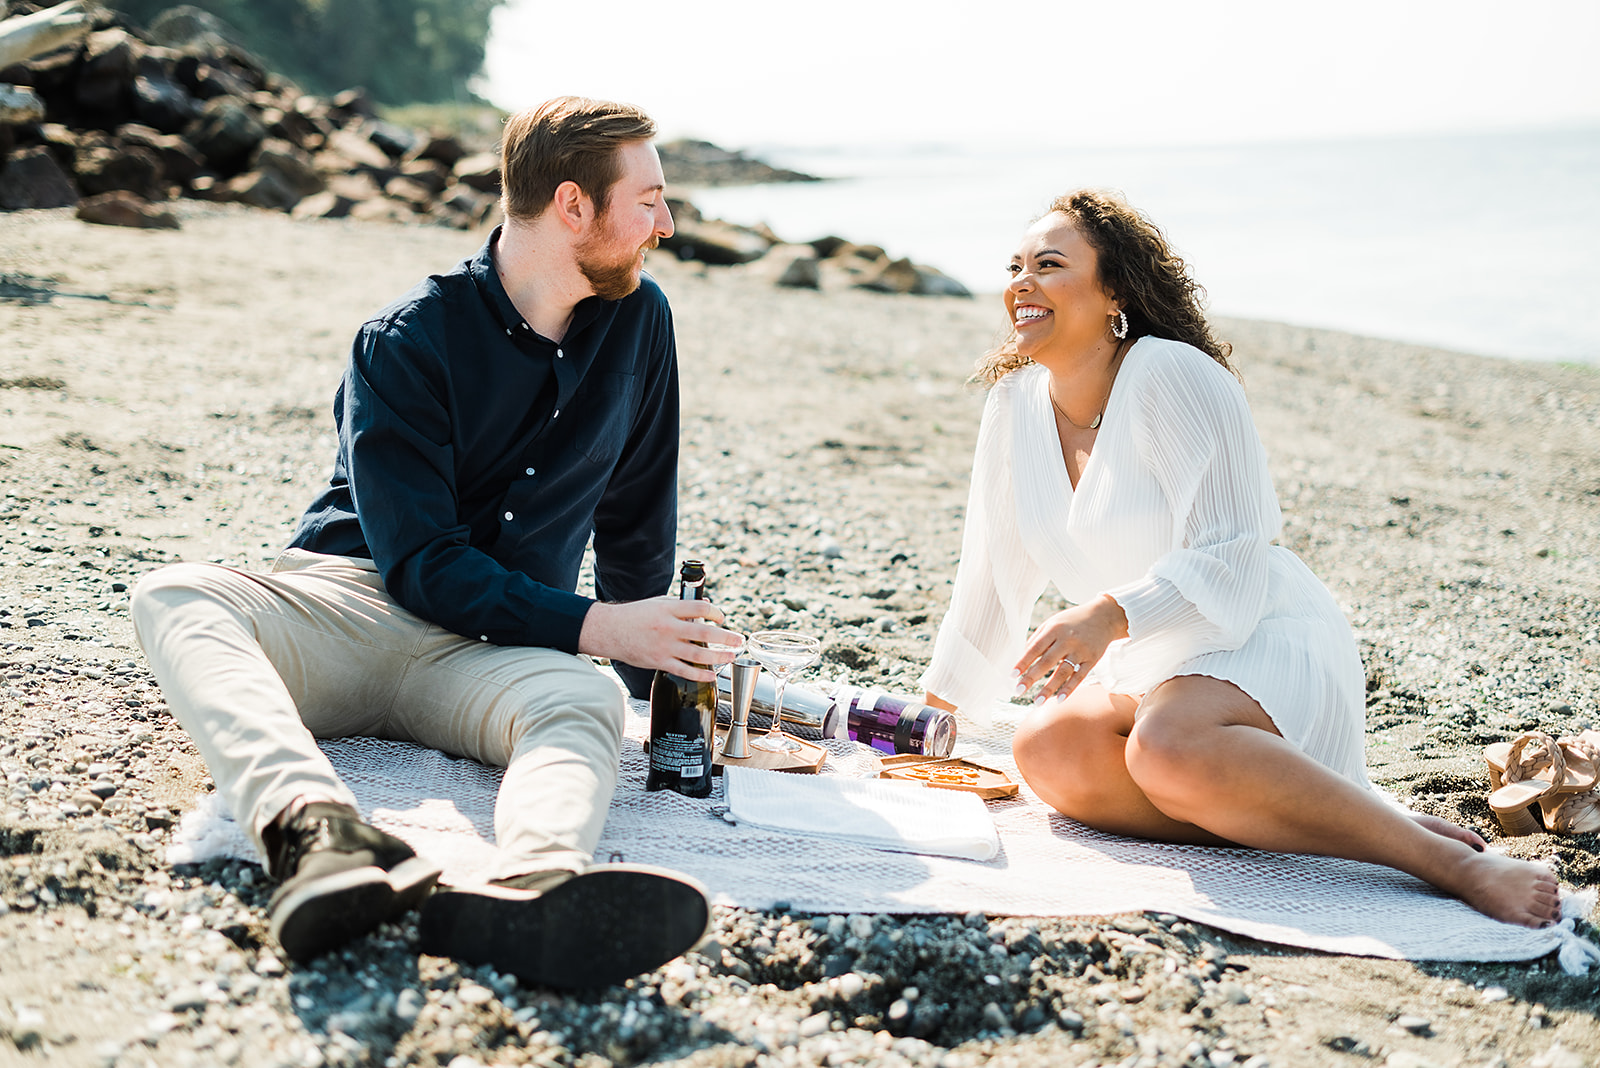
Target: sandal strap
x,y
1521,765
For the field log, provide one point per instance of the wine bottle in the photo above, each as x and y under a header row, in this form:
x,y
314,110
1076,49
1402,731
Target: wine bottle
x,y
683,716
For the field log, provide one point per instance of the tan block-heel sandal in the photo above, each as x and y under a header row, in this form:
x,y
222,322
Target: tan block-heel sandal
x,y
1495,757
1536,768
1578,812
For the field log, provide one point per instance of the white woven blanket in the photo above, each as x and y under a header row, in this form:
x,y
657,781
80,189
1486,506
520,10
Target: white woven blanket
x,y
1048,865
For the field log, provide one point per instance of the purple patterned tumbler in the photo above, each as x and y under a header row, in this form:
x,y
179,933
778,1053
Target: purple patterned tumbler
x,y
891,723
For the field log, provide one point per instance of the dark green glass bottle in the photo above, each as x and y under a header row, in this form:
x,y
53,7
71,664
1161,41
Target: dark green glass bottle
x,y
683,716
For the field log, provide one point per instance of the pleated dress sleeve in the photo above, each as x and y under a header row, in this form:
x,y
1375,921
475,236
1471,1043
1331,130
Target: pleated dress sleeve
x,y
1192,431
997,581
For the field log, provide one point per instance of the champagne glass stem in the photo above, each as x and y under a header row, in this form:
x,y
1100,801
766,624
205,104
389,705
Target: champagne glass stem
x,y
777,704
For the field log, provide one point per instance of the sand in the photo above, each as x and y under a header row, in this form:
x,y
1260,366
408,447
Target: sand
x,y
166,396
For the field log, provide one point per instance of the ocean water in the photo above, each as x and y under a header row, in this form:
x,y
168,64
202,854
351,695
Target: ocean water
x,y
1485,243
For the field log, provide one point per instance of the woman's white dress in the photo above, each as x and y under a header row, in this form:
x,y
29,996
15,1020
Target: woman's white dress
x,y
1174,516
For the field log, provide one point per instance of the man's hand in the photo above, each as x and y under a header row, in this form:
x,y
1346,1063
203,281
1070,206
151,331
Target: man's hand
x,y
659,633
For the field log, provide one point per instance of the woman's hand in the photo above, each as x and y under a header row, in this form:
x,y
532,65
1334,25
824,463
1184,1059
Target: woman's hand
x,y
1067,645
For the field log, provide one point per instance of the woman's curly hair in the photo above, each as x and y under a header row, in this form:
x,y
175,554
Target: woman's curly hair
x,y
1137,267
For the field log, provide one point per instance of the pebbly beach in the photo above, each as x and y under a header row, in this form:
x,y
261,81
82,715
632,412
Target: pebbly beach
x,y
166,397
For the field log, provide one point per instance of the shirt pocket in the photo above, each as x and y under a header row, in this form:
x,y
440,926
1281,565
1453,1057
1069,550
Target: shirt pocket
x,y
605,415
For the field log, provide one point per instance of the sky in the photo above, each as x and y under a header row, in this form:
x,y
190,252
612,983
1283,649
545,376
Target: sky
x,y
860,73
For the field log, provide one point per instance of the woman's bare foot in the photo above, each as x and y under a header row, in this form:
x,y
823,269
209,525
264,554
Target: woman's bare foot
x,y
1449,830
1508,889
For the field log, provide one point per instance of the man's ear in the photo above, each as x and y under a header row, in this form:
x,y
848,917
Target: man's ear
x,y
572,206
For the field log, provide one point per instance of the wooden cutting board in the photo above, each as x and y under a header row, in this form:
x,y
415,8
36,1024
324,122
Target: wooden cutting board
x,y
807,760
954,773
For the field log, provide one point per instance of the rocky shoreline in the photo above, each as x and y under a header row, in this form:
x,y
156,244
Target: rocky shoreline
x,y
118,121
165,396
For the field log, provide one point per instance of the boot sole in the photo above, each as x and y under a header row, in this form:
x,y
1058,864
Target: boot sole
x,y
600,927
326,913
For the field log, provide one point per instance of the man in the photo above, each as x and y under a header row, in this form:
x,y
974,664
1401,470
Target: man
x,y
490,422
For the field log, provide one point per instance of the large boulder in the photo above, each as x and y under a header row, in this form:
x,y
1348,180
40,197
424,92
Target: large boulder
x,y
353,104
410,192
355,187
431,173
226,133
162,103
122,208
717,242
791,266
260,189
301,124
467,202
441,148
208,81
294,169
104,168
180,162
324,205
19,105
480,171
903,276
397,141
194,30
348,149
105,78
32,178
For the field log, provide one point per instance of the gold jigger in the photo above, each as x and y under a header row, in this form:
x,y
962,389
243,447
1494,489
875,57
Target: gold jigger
x,y
743,672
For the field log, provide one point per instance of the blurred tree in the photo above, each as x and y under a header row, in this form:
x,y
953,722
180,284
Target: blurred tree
x,y
402,51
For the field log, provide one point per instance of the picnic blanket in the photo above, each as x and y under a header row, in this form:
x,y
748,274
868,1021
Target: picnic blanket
x,y
1047,865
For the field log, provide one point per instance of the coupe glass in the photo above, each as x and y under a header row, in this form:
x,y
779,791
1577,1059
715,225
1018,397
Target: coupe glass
x,y
783,653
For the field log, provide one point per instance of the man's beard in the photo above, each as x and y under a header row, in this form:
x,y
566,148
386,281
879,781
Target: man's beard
x,y
614,280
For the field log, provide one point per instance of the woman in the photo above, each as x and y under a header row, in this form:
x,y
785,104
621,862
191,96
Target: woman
x,y
1204,686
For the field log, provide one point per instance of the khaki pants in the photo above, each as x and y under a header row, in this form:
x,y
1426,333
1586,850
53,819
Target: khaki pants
x,y
256,667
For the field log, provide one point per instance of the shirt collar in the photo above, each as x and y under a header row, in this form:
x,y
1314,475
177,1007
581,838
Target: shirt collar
x,y
487,279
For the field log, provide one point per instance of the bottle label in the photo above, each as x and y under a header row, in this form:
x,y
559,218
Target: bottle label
x,y
868,699
674,752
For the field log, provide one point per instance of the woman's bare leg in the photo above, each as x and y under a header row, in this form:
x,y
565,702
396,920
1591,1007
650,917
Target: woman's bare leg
x,y
1201,762
1073,754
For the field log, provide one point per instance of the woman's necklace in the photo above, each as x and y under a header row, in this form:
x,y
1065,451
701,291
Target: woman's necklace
x,y
1095,422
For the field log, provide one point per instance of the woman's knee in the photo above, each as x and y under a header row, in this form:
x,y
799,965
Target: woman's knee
x,y
1065,754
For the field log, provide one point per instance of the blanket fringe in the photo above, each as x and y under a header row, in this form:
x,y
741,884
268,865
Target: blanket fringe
x,y
1576,954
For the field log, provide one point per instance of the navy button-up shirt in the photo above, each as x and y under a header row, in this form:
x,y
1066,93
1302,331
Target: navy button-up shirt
x,y
477,457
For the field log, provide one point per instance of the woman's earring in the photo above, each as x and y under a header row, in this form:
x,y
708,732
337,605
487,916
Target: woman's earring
x,y
1119,329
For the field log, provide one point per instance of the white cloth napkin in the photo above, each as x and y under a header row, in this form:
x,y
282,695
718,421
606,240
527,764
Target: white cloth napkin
x,y
879,813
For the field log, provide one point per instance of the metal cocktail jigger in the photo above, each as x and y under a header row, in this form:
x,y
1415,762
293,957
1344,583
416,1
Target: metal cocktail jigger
x,y
743,672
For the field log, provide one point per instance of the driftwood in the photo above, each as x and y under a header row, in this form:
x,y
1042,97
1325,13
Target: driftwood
x,y
27,36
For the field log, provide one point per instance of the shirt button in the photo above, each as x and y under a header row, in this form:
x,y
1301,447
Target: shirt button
x,y
529,471
557,414
483,637
559,354
508,331
509,517
524,326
